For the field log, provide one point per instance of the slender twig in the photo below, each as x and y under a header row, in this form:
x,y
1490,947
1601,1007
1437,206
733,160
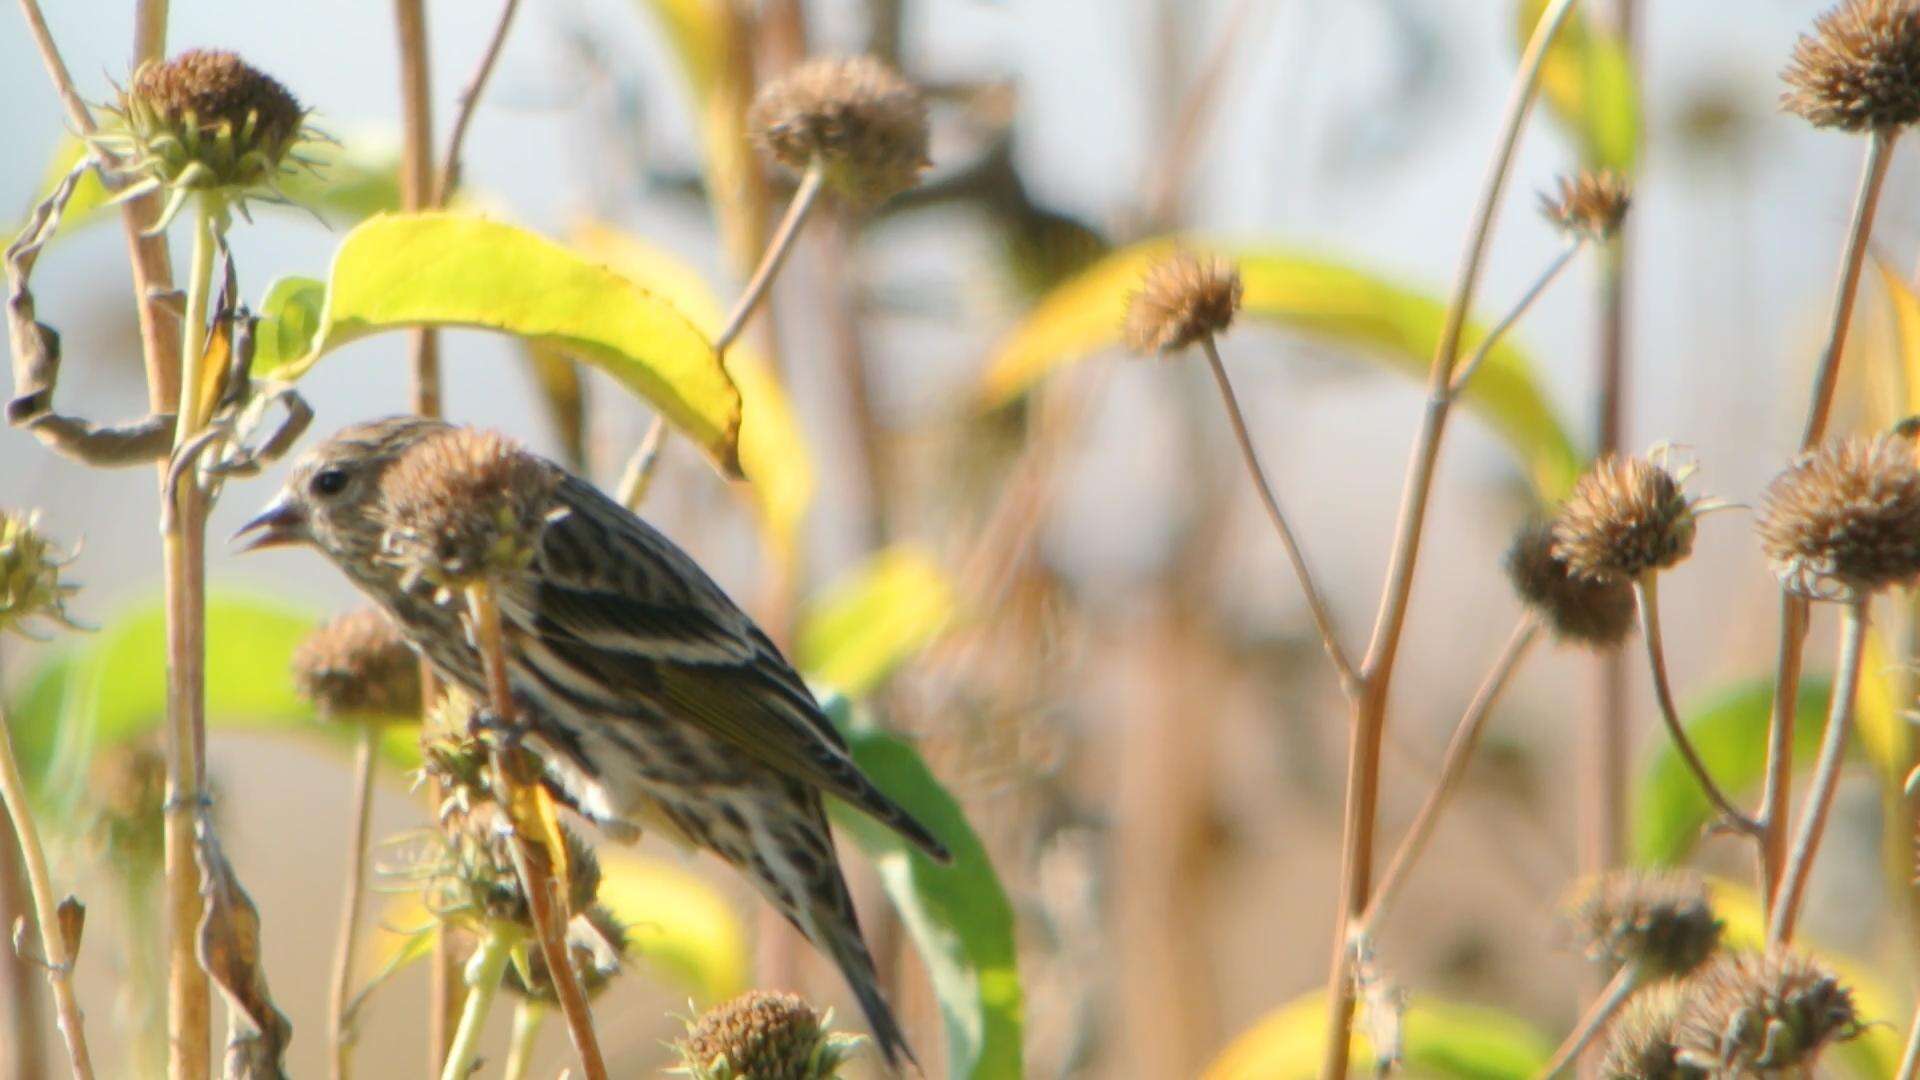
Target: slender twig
x,y
416,176
1826,776
1466,737
78,114
484,972
1617,991
1873,177
1910,1059
1485,348
1369,713
637,479
449,176
528,1018
1169,170
356,874
1777,787
1316,602
1646,591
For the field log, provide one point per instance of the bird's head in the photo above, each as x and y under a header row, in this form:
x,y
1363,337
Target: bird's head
x,y
332,498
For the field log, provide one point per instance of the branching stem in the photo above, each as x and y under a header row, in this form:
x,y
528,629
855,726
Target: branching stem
x,y
449,176
1520,308
1646,592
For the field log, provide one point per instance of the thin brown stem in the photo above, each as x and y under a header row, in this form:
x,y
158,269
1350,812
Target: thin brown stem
x,y
1776,796
1466,737
449,176
1520,308
1316,602
781,244
78,114
1646,591
416,185
1617,991
637,479
1376,672
356,875
1873,177
1826,776
1910,1058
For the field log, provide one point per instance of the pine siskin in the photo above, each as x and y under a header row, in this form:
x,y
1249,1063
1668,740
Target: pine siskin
x,y
650,697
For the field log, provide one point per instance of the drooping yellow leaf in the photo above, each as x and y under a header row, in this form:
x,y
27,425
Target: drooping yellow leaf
x,y
859,629
1381,320
1880,715
1441,1039
453,270
1588,83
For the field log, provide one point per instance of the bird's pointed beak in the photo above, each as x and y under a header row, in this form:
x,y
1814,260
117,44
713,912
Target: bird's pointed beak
x,y
279,524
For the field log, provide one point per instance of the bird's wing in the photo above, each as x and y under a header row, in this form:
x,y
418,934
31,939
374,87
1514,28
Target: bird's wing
x,y
623,604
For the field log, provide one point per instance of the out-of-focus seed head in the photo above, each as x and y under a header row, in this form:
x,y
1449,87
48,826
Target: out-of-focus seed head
x,y
1183,298
465,506
128,785
470,880
31,587
358,666
865,124
1642,1043
1582,611
763,1036
1591,204
597,947
1663,922
1844,519
1860,68
1627,516
1755,1014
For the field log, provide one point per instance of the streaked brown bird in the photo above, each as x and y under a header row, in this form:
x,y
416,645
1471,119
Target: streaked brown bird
x,y
650,697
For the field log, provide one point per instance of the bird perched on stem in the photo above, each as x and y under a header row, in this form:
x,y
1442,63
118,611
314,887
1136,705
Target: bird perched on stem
x,y
649,696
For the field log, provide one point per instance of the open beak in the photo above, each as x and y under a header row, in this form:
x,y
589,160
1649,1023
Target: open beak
x,y
281,523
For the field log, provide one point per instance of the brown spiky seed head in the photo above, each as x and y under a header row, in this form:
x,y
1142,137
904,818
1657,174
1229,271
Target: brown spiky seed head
x,y
464,506
471,878
358,666
1627,516
1591,204
1183,298
865,124
1763,1014
1643,1043
1843,520
763,1036
206,119
597,947
1585,612
31,587
1661,921
1860,68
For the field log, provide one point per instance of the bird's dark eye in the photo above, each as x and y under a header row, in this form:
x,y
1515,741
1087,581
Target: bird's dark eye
x,y
329,481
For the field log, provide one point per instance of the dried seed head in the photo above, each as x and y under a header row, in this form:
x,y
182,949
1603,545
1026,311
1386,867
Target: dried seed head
x,y
865,124
1754,1014
1661,921
30,583
464,506
1596,613
471,879
1183,298
596,945
763,1036
129,782
1642,1043
1844,519
358,666
1860,68
1592,204
1627,516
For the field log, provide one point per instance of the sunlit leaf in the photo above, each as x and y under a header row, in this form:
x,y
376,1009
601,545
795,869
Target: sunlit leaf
x,y
858,630
1314,296
958,916
1460,1042
1906,313
564,394
1588,84
453,270
289,323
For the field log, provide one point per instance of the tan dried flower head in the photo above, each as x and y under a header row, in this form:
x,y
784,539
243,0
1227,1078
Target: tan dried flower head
x,y
30,584
1663,922
762,1035
1183,298
1627,516
1591,204
358,666
1860,68
1642,1044
1585,612
1754,1014
865,124
1844,519
463,506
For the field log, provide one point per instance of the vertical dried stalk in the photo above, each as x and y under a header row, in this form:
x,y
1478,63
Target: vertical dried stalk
x,y
19,1005
342,988
1369,713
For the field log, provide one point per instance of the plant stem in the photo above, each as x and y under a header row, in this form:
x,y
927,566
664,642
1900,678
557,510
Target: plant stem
x,y
1376,672
1646,592
46,910
637,479
528,1018
342,989
449,176
484,971
1617,991
1826,776
1777,790
1520,308
416,175
1873,176
804,198
1316,603
1910,1059
1466,737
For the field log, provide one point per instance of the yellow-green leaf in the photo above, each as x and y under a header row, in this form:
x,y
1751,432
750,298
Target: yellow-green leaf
x,y
1589,86
1315,296
1906,315
454,270
1460,1042
859,629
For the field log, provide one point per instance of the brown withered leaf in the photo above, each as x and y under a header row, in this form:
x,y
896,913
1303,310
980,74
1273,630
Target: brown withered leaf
x,y
72,916
257,1033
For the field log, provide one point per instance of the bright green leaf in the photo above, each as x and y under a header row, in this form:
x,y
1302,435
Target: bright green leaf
x,y
1460,1042
958,916
1325,299
289,323
857,631
1589,86
454,270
